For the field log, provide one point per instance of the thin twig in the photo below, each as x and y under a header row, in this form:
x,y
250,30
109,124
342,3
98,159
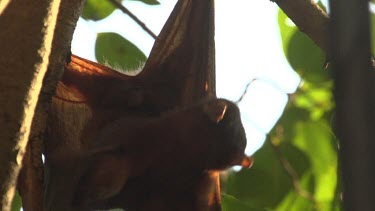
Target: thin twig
x,y
132,16
269,82
293,175
244,92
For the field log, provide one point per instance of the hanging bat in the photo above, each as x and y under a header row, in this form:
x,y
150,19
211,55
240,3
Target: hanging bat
x,y
155,141
159,158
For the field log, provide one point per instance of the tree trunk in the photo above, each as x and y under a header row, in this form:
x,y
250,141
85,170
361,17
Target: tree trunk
x,y
26,40
355,100
31,177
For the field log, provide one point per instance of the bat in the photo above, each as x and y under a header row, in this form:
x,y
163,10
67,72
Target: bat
x,y
154,141
167,155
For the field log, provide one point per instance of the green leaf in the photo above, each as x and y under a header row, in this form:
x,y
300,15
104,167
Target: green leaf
x,y
285,129
287,29
266,183
316,140
149,2
314,137
317,99
97,9
17,202
114,50
306,58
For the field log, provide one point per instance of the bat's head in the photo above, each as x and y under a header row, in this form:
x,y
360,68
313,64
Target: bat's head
x,y
227,148
216,126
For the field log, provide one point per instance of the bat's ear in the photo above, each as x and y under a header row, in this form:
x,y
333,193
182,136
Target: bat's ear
x,y
185,49
102,179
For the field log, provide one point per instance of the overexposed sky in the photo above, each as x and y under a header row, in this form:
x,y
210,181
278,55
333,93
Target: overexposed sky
x,y
248,46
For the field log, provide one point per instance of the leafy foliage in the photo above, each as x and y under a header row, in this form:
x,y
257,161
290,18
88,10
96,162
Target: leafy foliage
x,y
297,167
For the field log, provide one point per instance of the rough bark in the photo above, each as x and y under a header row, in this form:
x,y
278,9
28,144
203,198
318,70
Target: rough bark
x,y
26,39
31,176
355,100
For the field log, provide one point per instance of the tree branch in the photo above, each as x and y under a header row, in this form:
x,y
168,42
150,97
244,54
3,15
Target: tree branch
x,y
132,16
309,18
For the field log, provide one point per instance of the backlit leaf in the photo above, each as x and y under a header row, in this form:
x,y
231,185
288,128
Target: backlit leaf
x,y
118,52
316,140
97,9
